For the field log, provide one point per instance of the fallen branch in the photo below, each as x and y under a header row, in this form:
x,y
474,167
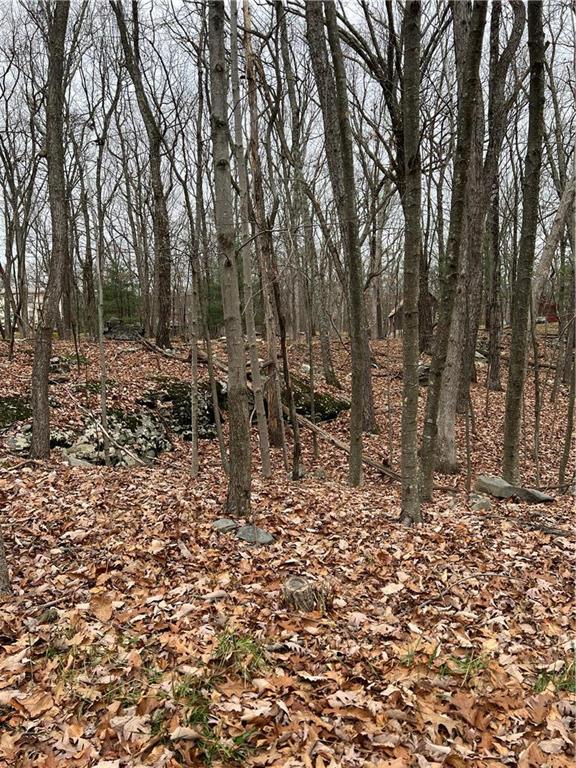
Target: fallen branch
x,y
16,467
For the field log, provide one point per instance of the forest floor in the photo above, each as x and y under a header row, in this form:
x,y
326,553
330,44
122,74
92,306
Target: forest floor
x,y
139,636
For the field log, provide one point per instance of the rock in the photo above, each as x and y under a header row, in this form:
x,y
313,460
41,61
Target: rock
x,y
497,486
326,406
254,535
494,486
75,462
423,374
19,442
14,408
174,398
59,365
533,495
225,525
481,504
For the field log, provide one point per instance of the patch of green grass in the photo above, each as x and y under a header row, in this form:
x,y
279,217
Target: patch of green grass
x,y
75,359
562,681
157,722
127,692
153,675
49,616
469,666
192,694
242,652
235,750
409,659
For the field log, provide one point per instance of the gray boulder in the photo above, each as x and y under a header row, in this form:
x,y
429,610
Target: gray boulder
x,y
254,535
480,504
225,525
494,486
533,495
501,489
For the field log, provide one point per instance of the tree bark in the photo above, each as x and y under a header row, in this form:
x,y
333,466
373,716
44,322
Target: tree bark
x,y
239,480
331,84
56,37
455,236
522,294
160,211
257,387
412,264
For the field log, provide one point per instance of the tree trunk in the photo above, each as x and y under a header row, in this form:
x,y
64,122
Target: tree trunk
x,y
412,264
455,236
522,288
239,480
331,84
160,212
57,23
494,313
247,249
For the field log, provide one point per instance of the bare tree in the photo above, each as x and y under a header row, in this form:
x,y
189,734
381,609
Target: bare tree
x,y
56,24
331,83
465,129
238,501
412,246
131,50
522,288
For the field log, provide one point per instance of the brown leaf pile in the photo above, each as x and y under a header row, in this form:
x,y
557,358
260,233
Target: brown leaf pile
x,y
138,636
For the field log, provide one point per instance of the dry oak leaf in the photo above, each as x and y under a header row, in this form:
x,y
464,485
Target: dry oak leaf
x,y
37,704
185,733
101,606
392,589
130,725
552,746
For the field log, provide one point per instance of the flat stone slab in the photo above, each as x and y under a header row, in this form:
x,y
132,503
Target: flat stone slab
x,y
497,486
254,535
225,525
533,495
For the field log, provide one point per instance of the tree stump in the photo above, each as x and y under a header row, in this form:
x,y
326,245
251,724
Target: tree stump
x,y
303,594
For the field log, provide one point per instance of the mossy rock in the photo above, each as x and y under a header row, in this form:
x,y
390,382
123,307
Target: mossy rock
x,y
92,386
326,406
175,396
14,408
75,359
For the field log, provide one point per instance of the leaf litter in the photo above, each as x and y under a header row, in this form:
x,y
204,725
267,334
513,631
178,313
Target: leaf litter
x,y
139,636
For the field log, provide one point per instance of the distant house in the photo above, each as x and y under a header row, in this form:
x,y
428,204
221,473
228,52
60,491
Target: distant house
x,y
396,317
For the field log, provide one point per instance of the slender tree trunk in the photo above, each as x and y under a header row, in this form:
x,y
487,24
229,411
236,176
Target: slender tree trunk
x,y
412,263
522,288
239,480
264,247
332,89
455,237
161,223
256,375
494,312
57,23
